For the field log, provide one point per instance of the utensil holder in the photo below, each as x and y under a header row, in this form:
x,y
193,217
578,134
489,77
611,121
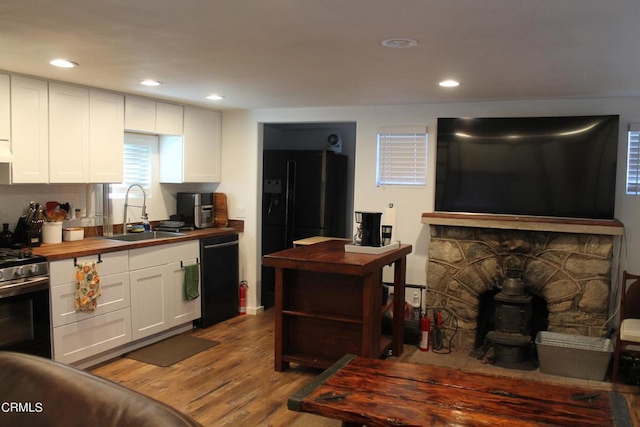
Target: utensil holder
x,y
52,232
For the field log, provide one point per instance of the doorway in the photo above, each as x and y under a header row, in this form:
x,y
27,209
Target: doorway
x,y
307,187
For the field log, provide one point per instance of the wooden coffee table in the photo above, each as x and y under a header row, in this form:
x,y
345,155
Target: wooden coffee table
x,y
361,391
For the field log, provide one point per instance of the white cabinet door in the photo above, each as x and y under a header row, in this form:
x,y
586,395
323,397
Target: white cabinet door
x,y
106,137
5,107
79,340
202,132
182,310
149,301
169,119
140,114
29,130
68,134
196,156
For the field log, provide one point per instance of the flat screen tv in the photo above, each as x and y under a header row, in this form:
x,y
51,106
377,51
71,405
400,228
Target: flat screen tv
x,y
531,166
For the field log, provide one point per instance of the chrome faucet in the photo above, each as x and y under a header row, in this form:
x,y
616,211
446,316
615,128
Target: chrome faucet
x,y
143,215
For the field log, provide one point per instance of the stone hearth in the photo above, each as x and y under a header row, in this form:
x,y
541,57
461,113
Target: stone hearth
x,y
570,271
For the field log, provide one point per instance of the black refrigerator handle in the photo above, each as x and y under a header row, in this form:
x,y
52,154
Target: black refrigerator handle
x,y
290,200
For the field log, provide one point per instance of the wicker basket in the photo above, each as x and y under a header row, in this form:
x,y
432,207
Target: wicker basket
x,y
573,355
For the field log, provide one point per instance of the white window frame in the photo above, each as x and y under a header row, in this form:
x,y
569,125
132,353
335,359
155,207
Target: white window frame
x,y
633,160
402,156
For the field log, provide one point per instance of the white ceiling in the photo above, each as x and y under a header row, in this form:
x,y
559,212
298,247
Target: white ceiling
x,y
317,53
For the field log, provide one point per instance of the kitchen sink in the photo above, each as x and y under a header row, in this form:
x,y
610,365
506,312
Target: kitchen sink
x,y
146,235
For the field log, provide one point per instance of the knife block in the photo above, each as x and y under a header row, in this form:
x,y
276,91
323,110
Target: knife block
x,y
29,235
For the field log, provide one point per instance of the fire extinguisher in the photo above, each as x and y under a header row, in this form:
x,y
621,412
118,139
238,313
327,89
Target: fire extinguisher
x,y
425,326
243,297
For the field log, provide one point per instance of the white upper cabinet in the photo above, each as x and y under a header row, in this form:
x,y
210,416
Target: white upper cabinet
x,y
52,132
86,135
194,157
5,107
5,128
169,119
140,114
149,116
106,137
68,134
29,130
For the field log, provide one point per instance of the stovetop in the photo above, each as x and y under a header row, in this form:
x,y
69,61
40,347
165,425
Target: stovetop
x,y
20,264
15,257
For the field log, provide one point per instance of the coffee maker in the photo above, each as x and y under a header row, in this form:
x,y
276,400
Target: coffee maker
x,y
368,233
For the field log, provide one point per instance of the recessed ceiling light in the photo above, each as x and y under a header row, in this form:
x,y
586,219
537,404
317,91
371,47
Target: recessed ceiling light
x,y
215,97
449,83
63,63
399,43
149,82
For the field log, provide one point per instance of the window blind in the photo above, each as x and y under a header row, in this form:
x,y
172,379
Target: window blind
x,y
137,170
402,156
633,160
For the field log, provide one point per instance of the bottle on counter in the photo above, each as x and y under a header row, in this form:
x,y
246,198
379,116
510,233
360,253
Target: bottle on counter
x,y
6,236
145,223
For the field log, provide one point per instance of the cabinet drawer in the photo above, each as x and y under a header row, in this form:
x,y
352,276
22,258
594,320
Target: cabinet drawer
x,y
161,255
63,271
115,296
79,340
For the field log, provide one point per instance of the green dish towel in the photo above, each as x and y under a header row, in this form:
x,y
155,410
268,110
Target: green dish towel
x,y
191,278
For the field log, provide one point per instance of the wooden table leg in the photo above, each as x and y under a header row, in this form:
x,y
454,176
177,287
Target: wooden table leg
x,y
278,332
399,272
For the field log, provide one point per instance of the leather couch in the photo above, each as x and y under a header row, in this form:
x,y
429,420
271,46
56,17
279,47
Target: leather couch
x,y
39,392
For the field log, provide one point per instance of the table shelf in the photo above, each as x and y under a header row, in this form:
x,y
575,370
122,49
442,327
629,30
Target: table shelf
x,y
324,316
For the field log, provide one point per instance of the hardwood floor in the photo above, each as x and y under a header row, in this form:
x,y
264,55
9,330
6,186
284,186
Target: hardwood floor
x,y
234,383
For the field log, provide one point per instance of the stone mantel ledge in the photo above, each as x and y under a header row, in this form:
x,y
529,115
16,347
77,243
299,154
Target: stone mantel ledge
x,y
512,222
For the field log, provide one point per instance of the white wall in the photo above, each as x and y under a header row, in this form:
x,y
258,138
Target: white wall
x,y
241,170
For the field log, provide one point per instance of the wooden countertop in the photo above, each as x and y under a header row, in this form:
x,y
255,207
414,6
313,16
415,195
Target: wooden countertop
x,y
330,257
100,245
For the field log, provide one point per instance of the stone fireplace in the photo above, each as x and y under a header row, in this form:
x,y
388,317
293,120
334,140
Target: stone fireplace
x,y
569,271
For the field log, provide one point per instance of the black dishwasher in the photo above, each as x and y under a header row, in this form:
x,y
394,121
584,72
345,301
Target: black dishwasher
x,y
219,272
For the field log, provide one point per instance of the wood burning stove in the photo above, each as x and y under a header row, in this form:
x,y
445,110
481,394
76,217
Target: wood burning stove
x,y
511,339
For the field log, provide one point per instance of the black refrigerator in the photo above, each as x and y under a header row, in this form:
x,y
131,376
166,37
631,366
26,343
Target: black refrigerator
x,y
304,195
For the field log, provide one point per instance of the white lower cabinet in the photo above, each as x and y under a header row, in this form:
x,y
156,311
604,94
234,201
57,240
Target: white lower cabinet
x,y
157,288
86,338
142,295
78,335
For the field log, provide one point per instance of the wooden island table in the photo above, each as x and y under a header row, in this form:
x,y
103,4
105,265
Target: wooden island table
x,y
329,303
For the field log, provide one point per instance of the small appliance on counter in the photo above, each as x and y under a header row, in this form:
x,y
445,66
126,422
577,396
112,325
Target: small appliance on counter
x,y
368,233
196,209
371,237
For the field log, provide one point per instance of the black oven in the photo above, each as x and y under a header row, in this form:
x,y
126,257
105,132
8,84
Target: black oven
x,y
25,324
